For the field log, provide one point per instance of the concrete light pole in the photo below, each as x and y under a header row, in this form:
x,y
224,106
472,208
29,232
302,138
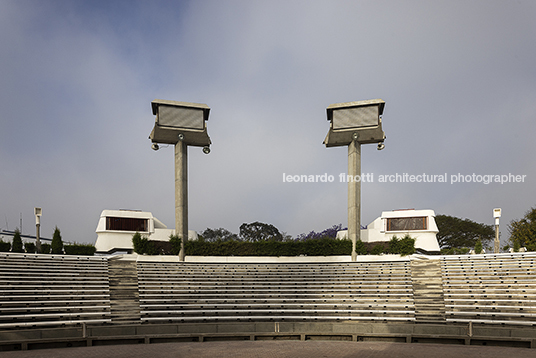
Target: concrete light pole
x,y
354,195
38,212
181,124
496,215
181,193
353,124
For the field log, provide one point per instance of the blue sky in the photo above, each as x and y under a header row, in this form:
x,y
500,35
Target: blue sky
x,y
78,77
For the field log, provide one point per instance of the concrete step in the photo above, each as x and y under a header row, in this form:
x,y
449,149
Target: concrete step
x,y
124,295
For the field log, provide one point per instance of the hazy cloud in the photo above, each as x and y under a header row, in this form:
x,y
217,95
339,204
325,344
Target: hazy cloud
x,y
78,77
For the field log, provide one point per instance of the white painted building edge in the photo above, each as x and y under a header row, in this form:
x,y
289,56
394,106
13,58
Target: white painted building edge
x,y
376,231
109,241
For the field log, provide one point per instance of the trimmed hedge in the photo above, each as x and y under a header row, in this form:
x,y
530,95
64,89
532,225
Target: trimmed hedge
x,y
316,247
45,248
30,247
142,245
310,247
455,251
79,249
5,246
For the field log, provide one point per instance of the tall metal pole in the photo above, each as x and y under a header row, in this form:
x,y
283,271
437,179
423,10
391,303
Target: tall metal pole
x,y
354,194
181,194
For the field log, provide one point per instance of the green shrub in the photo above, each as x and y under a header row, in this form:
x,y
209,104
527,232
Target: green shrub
x,y
45,248
138,243
142,245
80,249
5,246
360,248
377,250
478,247
175,244
403,247
57,243
406,246
394,245
517,246
17,243
29,247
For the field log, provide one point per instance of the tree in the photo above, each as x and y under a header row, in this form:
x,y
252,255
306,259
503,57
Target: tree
x,y
478,247
221,234
458,233
258,231
17,242
57,244
523,231
329,232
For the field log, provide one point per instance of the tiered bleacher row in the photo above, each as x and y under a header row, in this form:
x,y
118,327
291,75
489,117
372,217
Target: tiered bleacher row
x,y
490,288
252,292
52,290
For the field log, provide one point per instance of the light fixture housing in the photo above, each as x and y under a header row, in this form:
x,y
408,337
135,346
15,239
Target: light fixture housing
x,y
359,119
180,119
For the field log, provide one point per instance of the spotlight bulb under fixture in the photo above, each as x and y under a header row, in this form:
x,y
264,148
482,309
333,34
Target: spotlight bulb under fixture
x,y
356,135
180,136
206,149
155,146
381,146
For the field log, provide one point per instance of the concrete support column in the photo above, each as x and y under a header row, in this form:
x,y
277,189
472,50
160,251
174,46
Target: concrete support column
x,y
181,194
354,194
496,248
37,238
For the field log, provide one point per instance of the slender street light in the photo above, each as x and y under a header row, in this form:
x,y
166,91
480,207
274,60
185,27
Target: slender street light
x,y
38,212
353,124
496,215
181,124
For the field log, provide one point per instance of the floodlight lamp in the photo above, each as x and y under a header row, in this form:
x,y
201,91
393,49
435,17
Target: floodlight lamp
x,y
381,146
180,121
355,121
155,146
206,149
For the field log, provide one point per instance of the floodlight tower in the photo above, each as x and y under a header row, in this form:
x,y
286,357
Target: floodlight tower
x,y
181,124
353,124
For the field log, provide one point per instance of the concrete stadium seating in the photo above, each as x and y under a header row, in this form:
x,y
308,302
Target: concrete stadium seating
x,y
342,291
52,290
56,290
490,288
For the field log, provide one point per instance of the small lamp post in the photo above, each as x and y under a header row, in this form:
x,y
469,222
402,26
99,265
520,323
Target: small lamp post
x,y
38,212
181,124
353,124
496,215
